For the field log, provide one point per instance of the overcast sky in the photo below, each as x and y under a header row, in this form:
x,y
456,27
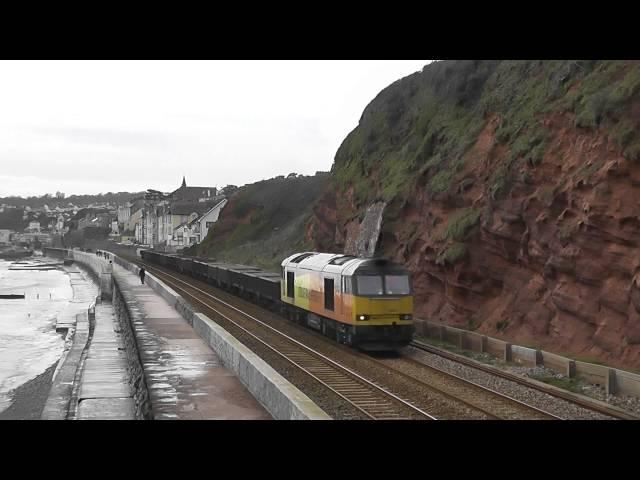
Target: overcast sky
x,y
98,126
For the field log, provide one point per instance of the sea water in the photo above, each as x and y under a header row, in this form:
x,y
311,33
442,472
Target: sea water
x,y
29,343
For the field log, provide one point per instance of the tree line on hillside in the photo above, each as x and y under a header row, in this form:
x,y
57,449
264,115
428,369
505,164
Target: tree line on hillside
x,y
59,199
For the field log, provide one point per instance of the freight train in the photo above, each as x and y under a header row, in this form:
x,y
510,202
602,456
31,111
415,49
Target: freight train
x,y
365,303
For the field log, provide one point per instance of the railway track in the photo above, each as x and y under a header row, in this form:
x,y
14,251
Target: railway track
x,y
487,403
372,400
614,413
495,405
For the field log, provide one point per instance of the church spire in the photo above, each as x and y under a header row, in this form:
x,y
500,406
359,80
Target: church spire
x,y
184,182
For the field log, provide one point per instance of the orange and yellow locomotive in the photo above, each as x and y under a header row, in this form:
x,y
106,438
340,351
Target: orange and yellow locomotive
x,y
363,302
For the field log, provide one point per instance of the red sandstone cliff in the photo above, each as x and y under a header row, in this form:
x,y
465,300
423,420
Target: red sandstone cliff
x,y
529,231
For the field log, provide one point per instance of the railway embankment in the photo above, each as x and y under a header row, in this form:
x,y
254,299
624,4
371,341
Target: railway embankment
x,y
616,385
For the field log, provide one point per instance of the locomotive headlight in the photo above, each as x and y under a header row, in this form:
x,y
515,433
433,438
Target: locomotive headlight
x,y
406,316
363,317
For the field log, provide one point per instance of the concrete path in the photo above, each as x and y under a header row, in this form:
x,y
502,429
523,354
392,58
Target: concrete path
x,y
184,376
104,389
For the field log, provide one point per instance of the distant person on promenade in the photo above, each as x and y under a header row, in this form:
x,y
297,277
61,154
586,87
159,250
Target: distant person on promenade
x,y
142,272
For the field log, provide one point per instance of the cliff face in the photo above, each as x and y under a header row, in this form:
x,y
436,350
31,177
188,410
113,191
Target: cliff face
x,y
513,195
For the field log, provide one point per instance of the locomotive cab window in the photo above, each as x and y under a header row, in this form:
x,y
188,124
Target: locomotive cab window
x,y
290,284
397,284
370,285
346,285
328,293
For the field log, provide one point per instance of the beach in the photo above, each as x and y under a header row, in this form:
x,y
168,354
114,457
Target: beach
x,y
30,348
29,399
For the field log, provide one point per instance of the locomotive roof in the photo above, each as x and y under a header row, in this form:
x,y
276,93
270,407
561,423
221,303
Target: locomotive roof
x,y
340,263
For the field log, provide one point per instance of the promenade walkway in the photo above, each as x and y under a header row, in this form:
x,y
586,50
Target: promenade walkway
x,y
184,376
143,359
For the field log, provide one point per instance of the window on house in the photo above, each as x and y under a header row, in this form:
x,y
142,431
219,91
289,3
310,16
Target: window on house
x,y
210,224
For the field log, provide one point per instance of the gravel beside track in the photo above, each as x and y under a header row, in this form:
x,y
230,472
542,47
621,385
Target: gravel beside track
x,y
495,404
557,406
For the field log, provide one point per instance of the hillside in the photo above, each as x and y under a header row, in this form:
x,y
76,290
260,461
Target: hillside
x,y
510,190
62,201
263,222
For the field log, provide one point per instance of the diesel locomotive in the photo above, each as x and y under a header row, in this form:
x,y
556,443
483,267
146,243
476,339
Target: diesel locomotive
x,y
361,302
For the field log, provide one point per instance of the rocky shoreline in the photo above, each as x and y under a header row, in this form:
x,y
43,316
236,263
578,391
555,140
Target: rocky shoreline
x,y
29,399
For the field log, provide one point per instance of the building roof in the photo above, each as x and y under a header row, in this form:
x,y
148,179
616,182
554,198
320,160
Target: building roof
x,y
215,205
187,208
192,193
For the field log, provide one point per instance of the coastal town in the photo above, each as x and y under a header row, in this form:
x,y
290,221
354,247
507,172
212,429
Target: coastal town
x,y
167,221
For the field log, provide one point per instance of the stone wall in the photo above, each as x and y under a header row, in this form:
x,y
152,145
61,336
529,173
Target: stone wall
x,y
126,312
126,316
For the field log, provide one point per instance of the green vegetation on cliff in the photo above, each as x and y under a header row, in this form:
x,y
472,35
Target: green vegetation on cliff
x,y
422,136
418,130
264,222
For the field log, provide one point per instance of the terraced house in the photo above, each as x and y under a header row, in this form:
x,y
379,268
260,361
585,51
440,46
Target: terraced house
x,y
180,218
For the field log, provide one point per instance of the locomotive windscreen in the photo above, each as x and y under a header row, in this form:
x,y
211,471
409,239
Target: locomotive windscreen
x,y
370,285
383,285
396,284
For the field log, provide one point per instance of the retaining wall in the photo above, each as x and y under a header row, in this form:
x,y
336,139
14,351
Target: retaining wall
x,y
614,380
559,364
59,401
127,314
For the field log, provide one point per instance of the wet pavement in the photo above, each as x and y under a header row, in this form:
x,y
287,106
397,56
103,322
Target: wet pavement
x,y
184,376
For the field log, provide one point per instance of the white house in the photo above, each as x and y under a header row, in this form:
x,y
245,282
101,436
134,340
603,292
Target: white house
x,y
193,229
209,218
134,222
124,213
5,236
185,234
34,227
138,232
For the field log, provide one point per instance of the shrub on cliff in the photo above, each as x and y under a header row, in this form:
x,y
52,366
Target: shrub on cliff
x,y
460,224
